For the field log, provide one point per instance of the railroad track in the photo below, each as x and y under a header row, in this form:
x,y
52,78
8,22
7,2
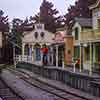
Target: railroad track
x,y
63,95
6,93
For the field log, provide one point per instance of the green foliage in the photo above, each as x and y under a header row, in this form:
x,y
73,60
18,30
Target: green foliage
x,y
49,16
4,25
80,9
16,32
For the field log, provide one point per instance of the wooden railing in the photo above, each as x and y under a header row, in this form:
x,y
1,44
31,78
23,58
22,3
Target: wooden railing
x,y
21,58
80,81
90,35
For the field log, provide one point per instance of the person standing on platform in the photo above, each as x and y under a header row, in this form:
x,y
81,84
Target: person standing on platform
x,y
45,52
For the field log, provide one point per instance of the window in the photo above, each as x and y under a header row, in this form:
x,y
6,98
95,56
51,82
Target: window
x,y
39,26
98,23
42,34
76,52
26,49
76,33
36,35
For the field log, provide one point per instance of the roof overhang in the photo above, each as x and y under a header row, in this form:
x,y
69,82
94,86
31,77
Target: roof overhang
x,y
59,44
94,5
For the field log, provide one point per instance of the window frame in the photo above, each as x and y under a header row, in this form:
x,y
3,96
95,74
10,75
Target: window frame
x,y
42,34
36,35
76,33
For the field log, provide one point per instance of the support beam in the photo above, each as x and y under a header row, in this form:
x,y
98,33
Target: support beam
x,y
90,68
23,49
14,60
41,54
56,55
63,58
32,53
30,50
80,58
94,53
83,56
52,54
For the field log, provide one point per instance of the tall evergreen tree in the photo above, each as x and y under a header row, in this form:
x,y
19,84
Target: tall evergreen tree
x,y
4,25
48,16
6,50
16,34
80,9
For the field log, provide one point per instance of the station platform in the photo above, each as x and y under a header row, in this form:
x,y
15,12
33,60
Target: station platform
x,y
61,85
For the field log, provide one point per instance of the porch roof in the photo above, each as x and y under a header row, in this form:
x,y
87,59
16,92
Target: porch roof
x,y
59,44
84,22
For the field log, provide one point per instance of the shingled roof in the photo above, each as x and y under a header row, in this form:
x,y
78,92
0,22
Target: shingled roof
x,y
94,4
84,22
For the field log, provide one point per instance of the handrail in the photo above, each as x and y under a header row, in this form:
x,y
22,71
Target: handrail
x,y
23,58
90,35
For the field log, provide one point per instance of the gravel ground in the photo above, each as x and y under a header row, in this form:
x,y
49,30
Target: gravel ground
x,y
24,89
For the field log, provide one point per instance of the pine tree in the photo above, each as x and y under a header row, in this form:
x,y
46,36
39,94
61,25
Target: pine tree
x,y
48,16
16,34
80,9
6,50
4,25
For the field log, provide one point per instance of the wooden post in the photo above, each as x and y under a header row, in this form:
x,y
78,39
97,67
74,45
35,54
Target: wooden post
x,y
80,58
52,54
32,54
56,56
14,60
90,69
23,47
94,55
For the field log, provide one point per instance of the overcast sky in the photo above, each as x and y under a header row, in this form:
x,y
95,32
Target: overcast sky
x,y
26,8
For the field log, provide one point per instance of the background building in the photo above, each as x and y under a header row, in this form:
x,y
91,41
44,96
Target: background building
x,y
33,41
80,50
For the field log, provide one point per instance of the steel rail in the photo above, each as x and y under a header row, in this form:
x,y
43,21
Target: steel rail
x,y
47,87
5,87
